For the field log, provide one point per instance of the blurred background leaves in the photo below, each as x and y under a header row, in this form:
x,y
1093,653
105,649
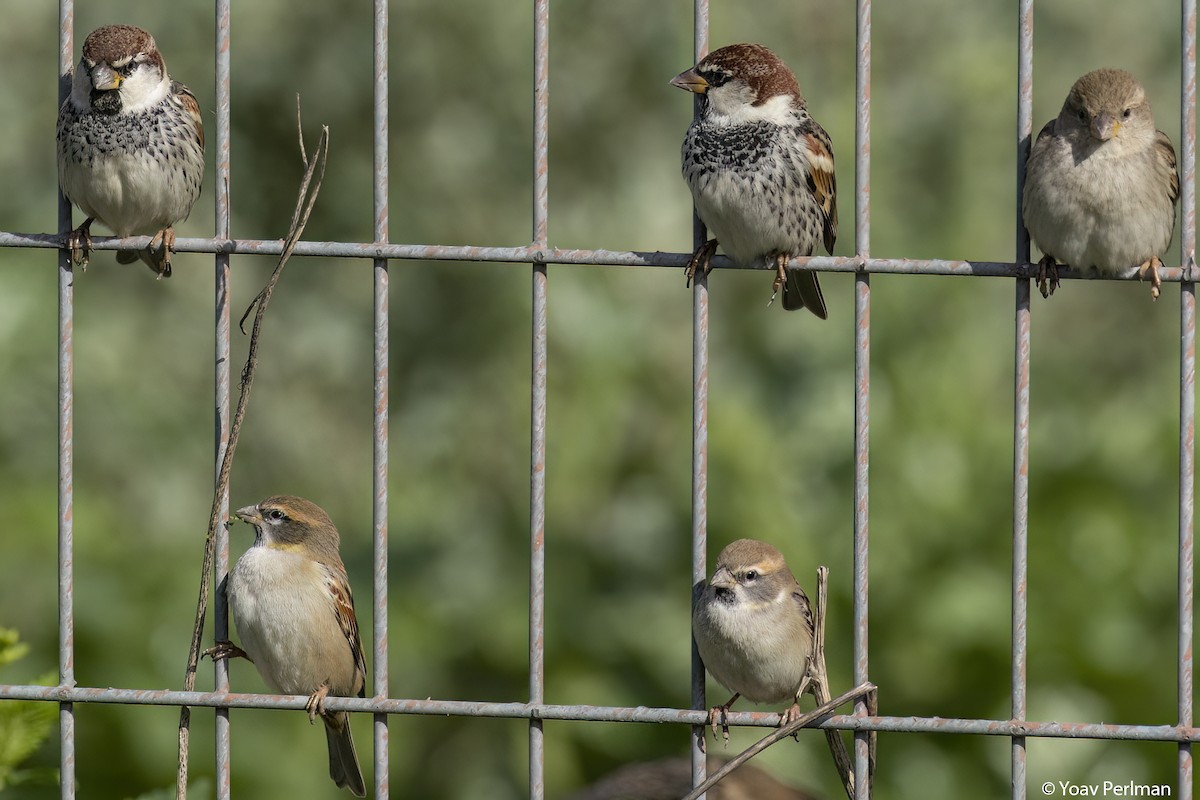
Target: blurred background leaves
x,y
1103,480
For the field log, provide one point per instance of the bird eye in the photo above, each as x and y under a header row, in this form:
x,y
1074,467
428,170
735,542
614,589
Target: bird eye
x,y
274,514
716,79
1083,115
127,69
751,575
1126,113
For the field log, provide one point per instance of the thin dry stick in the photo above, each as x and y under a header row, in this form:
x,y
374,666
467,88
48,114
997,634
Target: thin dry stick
x,y
820,683
304,205
782,733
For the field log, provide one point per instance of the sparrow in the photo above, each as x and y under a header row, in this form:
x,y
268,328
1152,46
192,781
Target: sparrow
x,y
294,614
130,145
671,778
760,169
1101,183
753,627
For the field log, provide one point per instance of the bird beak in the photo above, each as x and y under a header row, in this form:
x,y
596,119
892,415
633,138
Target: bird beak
x,y
1104,126
104,78
690,81
722,579
250,514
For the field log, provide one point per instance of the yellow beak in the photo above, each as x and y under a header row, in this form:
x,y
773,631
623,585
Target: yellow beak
x,y
104,78
690,81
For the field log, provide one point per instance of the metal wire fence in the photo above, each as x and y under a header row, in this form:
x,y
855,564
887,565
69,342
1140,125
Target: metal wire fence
x,y
539,254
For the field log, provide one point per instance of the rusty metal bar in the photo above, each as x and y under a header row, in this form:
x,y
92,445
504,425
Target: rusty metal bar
x,y
1187,389
537,473
379,455
542,254
1022,342
639,714
699,428
862,382
66,445
221,383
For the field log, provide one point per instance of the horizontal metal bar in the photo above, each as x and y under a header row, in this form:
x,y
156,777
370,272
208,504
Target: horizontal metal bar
x,y
603,258
464,708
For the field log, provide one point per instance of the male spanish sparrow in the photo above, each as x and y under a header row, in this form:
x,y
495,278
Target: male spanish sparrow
x,y
1101,183
753,627
130,145
760,169
294,614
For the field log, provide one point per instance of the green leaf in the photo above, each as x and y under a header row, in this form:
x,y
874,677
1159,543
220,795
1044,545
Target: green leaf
x,y
24,725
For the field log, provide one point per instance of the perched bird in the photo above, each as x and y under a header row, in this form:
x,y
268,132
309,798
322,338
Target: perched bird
x,y
130,145
760,169
294,614
1101,183
671,778
753,627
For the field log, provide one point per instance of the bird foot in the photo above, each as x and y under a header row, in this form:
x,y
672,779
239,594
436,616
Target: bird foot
x,y
79,243
780,277
701,260
164,241
789,716
225,650
316,702
1047,276
1151,265
721,713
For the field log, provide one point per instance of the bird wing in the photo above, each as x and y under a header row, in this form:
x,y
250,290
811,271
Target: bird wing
x,y
338,587
1046,132
805,608
1162,144
822,181
183,96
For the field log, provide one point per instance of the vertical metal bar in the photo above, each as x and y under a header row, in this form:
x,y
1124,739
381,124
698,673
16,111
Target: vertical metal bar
x,y
221,380
380,452
537,473
1022,342
862,381
66,453
1187,386
699,426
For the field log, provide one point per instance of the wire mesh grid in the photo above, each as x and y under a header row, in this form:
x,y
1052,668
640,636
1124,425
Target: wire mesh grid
x,y
539,254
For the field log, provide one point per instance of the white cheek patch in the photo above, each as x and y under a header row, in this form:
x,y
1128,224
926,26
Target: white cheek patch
x,y
145,88
734,106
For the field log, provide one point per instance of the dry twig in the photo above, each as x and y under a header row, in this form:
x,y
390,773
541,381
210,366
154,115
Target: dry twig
x,y
314,174
823,710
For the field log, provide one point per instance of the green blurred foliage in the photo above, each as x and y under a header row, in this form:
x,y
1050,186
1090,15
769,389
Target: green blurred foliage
x,y
24,725
1104,432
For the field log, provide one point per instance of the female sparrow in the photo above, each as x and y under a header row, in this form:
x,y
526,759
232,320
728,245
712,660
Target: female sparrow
x,y
130,145
753,627
760,169
294,613
1101,184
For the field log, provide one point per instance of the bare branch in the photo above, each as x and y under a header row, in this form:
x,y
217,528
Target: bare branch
x,y
304,204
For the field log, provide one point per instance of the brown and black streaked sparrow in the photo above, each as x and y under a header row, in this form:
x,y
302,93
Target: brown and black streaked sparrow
x,y
760,169
130,145
1101,183
294,614
753,627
